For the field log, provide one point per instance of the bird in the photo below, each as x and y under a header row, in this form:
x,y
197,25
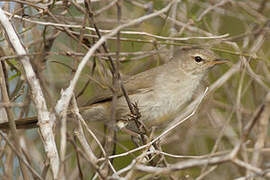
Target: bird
x,y
158,93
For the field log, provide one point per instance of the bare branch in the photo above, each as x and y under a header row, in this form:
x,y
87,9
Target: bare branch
x,y
46,119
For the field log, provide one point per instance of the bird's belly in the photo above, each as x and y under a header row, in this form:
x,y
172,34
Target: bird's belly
x,y
159,111
161,105
156,110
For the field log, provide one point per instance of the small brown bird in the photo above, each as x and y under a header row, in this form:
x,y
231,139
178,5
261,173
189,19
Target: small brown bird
x,y
159,93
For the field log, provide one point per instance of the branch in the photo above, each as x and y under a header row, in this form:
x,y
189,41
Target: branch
x,y
45,119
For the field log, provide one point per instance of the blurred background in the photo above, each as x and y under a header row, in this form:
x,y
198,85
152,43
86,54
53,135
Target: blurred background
x,y
57,35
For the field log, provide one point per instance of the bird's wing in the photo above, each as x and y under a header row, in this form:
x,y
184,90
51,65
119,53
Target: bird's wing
x,y
134,84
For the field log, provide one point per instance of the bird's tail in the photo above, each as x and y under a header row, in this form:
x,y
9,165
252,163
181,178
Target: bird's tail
x,y
27,123
89,113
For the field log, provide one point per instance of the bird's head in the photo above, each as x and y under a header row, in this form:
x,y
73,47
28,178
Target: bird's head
x,y
197,61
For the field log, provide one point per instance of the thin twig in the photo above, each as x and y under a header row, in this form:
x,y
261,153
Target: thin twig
x,y
33,171
45,118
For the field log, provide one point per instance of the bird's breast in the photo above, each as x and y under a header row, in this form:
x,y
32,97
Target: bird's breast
x,y
169,95
164,100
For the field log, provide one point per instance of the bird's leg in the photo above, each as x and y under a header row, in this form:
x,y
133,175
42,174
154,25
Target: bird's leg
x,y
145,134
135,116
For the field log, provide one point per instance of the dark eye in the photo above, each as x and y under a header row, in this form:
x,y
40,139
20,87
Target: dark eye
x,y
198,59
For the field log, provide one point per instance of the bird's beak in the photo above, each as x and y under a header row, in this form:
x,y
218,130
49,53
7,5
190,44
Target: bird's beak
x,y
218,61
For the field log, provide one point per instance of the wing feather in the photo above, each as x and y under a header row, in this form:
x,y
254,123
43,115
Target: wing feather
x,y
139,82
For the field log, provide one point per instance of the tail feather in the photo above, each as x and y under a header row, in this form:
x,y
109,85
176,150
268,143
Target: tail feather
x,y
89,113
27,123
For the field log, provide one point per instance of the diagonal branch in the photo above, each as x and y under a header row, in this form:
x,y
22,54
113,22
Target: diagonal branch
x,y
44,117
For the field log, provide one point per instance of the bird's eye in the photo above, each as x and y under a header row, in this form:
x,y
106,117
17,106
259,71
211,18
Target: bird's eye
x,y
198,59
